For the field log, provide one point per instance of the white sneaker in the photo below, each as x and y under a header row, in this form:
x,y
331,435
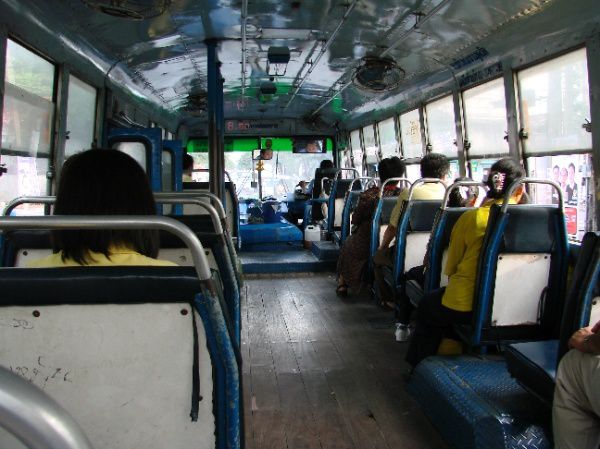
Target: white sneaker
x,y
403,332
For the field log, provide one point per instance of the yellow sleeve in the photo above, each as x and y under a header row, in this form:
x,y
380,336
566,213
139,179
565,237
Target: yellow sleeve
x,y
457,247
395,217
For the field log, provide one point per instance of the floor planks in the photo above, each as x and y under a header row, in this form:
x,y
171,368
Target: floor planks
x,y
324,373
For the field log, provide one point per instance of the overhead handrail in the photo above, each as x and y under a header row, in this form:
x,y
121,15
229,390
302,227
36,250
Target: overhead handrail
x,y
35,418
511,189
116,222
323,179
456,185
392,180
422,181
368,179
16,202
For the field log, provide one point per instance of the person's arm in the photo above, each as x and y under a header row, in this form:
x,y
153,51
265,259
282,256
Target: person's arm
x,y
456,248
585,340
388,236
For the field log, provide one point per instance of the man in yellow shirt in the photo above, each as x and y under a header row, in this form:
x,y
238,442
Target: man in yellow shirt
x,y
433,165
442,308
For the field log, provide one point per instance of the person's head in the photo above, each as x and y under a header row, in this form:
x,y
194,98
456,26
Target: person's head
x,y
463,196
103,182
392,167
313,147
556,173
188,163
268,144
502,174
326,164
571,171
435,165
564,175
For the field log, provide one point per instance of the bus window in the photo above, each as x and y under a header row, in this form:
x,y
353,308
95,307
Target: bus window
x,y
357,152
485,119
554,102
441,129
371,150
413,172
410,126
136,150
388,142
28,113
480,168
81,116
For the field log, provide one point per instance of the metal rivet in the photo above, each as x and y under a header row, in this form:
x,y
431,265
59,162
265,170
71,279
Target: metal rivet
x,y
206,252
184,312
36,313
25,253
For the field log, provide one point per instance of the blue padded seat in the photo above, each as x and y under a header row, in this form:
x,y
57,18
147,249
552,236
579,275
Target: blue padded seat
x,y
349,206
534,364
438,243
381,217
338,192
522,229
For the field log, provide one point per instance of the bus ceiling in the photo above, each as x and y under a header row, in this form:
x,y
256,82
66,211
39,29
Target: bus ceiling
x,y
325,65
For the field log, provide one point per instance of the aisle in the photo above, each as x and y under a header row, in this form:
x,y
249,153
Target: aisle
x,y
320,372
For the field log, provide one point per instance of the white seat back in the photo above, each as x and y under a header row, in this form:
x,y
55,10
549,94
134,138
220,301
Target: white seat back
x,y
416,247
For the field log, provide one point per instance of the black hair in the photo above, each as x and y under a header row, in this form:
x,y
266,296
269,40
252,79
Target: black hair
x,y
434,165
326,164
456,198
103,182
392,167
571,165
188,161
502,174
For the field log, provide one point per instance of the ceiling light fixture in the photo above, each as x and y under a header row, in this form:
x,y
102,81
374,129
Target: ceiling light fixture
x,y
277,60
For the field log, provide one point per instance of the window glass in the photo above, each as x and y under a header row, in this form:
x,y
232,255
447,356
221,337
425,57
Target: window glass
x,y
441,126
555,102
81,116
370,144
410,127
480,168
413,172
357,153
485,118
387,138
575,176
136,150
28,113
167,171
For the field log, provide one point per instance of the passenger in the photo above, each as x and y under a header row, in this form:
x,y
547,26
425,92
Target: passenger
x,y
415,277
433,165
103,182
188,167
442,308
576,407
355,251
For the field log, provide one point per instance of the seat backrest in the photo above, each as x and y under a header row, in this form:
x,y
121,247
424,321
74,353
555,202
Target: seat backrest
x,y
231,204
412,235
319,175
438,245
521,272
381,219
336,202
120,348
584,288
349,206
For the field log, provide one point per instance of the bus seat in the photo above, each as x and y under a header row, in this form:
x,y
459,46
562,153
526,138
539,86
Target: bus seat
x,y
336,202
381,219
523,267
231,205
412,236
438,247
534,364
349,206
125,348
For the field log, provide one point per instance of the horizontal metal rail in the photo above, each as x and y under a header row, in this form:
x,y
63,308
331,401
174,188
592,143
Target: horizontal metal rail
x,y
513,187
455,186
116,222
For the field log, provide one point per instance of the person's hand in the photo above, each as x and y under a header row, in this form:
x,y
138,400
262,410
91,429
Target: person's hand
x,y
577,339
596,328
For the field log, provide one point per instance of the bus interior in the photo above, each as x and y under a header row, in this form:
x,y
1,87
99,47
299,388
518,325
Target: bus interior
x,y
287,109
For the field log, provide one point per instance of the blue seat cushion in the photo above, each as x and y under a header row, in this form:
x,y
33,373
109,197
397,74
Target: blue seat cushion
x,y
533,364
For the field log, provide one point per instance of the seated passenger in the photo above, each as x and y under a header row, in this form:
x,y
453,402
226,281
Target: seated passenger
x,y
458,197
576,407
442,308
103,182
355,251
432,165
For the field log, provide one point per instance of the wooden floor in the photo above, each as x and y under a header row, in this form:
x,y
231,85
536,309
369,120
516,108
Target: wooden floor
x,y
320,372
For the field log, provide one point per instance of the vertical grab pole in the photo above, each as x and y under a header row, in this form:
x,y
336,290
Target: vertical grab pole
x,y
215,137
